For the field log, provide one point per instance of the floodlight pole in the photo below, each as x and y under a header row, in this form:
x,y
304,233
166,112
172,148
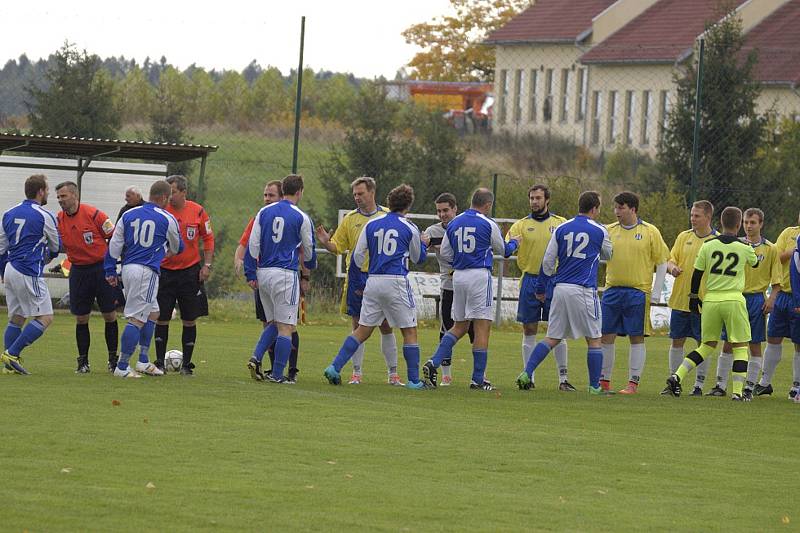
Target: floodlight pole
x,y
298,103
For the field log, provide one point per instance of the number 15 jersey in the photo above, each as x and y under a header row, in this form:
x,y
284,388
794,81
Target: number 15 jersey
x,y
724,259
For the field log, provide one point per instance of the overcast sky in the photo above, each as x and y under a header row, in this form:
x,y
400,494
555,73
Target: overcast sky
x,y
358,36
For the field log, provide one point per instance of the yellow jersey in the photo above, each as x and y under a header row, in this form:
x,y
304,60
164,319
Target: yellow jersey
x,y
684,254
787,241
346,235
534,236
768,272
637,251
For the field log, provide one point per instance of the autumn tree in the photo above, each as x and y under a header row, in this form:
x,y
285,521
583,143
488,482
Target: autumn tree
x,y
451,44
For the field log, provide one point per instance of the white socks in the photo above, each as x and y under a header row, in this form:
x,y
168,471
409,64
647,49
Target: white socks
x,y
560,353
772,356
528,343
636,358
358,359
701,372
389,349
753,368
609,355
796,370
724,366
675,358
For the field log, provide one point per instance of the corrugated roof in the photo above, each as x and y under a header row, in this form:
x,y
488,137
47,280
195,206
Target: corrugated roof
x,y
777,39
550,21
663,33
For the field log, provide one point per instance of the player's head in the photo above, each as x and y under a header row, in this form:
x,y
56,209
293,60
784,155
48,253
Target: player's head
x,y
400,199
446,207
160,192
178,185
701,214
731,220
539,198
626,207
753,222
589,203
364,192
36,188
273,192
67,196
482,200
292,186
133,195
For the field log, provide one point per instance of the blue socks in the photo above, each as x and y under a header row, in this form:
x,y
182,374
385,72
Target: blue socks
x,y
127,344
12,332
349,347
479,358
594,360
265,341
145,337
538,354
411,355
283,347
28,336
445,349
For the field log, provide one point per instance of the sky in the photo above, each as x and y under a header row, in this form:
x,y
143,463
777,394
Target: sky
x,y
358,36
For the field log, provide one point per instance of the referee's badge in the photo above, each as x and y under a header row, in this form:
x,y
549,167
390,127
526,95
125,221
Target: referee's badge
x,y
191,232
88,237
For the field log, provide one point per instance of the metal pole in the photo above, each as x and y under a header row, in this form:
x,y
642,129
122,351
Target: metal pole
x,y
498,315
298,104
201,181
696,138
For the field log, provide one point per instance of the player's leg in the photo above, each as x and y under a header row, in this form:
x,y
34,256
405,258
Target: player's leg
x,y
31,298
269,333
16,317
480,353
462,287
354,294
83,340
146,332
446,323
613,307
193,304
753,366
779,327
737,323
701,372
82,290
557,329
389,350
529,312
167,298
724,367
411,356
711,324
285,292
106,297
635,324
291,375
111,334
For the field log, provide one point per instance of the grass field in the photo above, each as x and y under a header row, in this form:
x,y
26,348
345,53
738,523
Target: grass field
x,y
222,452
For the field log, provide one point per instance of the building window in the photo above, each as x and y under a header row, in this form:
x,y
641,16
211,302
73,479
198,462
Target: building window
x,y
663,115
503,96
519,90
630,111
581,96
547,109
534,100
646,107
564,94
597,104
612,118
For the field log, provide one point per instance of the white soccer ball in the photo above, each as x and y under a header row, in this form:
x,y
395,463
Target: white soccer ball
x,y
173,360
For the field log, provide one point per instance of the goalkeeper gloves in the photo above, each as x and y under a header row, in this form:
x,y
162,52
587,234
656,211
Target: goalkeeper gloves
x,y
695,304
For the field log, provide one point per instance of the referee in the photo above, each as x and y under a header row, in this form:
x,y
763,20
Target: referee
x,y
183,276
85,231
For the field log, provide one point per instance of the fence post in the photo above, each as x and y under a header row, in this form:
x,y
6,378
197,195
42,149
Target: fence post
x,y
698,99
498,315
298,104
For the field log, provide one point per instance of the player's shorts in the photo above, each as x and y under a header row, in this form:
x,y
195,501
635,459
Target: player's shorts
x,y
389,298
472,294
783,322
356,282
141,287
259,307
729,313
758,322
26,295
87,284
184,287
626,311
280,294
446,315
529,309
683,324
574,313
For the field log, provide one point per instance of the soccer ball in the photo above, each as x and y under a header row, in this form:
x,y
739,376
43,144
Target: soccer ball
x,y
173,360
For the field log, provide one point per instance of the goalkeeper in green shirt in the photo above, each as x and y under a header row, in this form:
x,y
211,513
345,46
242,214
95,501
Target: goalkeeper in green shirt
x,y
723,259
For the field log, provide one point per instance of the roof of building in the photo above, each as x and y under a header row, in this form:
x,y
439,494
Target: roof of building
x,y
777,40
550,21
663,33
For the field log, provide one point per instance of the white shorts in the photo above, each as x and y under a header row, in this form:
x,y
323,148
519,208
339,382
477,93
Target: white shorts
x,y
279,290
574,313
140,286
472,295
390,298
26,295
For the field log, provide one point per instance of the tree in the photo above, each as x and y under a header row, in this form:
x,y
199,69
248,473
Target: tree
x,y
78,99
167,122
451,44
731,129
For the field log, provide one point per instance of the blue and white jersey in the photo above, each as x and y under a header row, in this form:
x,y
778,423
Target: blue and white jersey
x,y
470,241
142,237
280,231
28,238
578,245
794,275
390,240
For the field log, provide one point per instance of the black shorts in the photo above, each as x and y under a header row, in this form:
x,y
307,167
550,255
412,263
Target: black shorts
x,y
87,283
259,307
185,288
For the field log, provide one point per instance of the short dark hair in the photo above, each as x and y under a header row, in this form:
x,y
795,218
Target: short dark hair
x,y
588,200
34,184
482,197
540,187
400,198
291,184
160,188
631,199
363,180
71,185
754,211
446,198
278,184
731,218
704,205
181,183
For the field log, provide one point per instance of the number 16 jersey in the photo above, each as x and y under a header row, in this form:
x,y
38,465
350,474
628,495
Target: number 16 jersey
x,y
724,260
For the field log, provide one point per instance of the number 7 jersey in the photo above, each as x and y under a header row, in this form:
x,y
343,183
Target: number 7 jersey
x,y
724,259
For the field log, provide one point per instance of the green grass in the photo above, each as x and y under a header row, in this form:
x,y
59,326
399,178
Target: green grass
x,y
226,453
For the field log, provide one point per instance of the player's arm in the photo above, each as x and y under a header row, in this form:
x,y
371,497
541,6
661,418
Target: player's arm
x,y
658,283
515,234
103,224
417,251
3,251
446,252
672,264
794,279
115,246
174,241
360,253
51,234
339,242
697,279
207,235
606,249
659,253
308,248
500,246
253,251
550,255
